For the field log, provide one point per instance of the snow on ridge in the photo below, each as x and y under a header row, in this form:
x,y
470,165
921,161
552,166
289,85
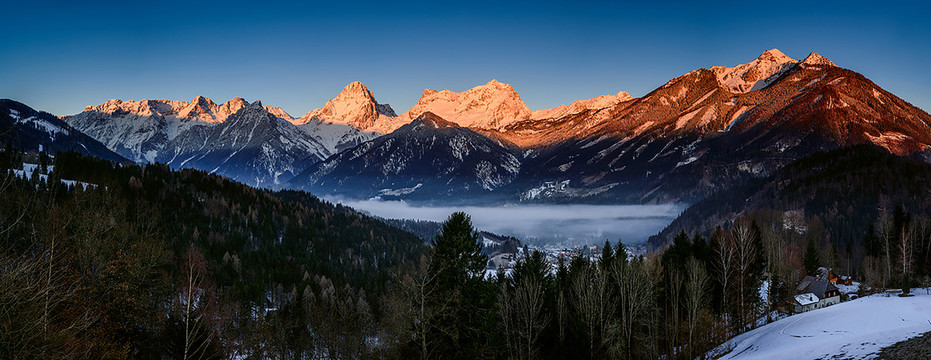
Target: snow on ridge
x,y
39,124
877,94
737,116
756,74
598,102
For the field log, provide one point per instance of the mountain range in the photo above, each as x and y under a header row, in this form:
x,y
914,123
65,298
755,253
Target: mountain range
x,y
706,130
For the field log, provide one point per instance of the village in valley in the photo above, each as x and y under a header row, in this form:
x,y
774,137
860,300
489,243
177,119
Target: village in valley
x,y
812,292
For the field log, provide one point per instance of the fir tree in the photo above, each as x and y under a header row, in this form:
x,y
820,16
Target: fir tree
x,y
811,258
607,255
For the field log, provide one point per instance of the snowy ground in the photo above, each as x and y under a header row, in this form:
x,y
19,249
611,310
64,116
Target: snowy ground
x,y
856,329
28,169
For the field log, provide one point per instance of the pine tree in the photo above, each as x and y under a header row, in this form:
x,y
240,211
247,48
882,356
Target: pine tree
x,y
456,265
811,258
607,255
457,254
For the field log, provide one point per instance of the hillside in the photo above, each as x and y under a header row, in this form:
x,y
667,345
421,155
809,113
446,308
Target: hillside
x,y
857,329
839,192
23,127
127,248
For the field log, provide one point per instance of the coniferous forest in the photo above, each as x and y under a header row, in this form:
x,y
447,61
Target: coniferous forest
x,y
146,262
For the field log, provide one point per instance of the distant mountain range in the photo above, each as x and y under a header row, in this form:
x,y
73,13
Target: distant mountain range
x,y
707,130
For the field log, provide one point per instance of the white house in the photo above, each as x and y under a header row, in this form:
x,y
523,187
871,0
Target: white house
x,y
815,293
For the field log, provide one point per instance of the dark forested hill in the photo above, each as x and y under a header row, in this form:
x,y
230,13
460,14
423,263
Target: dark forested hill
x,y
125,256
26,128
833,194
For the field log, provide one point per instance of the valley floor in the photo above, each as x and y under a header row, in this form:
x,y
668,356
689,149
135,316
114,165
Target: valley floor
x,y
856,329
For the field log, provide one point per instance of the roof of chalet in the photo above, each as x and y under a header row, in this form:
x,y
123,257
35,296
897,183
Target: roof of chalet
x,y
815,286
806,299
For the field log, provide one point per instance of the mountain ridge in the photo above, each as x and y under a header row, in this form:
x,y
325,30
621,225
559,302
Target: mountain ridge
x,y
705,130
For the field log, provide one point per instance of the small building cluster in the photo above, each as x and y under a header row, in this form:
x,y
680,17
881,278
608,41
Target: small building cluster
x,y
818,292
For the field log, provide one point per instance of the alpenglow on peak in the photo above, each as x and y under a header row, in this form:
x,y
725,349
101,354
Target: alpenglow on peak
x,y
756,74
490,106
354,106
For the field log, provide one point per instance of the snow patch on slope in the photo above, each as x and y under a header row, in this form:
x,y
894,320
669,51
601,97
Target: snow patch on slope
x,y
756,74
578,106
856,329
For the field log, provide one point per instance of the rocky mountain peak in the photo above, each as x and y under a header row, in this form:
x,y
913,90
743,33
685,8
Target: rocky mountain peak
x,y
354,106
774,55
815,59
279,112
231,107
756,74
432,120
490,106
202,101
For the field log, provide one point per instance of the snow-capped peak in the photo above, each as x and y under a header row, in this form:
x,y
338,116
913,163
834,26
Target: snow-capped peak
x,y
279,112
231,107
756,74
354,106
815,59
598,102
201,108
490,106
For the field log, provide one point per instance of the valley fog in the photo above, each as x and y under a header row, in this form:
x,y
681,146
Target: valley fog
x,y
543,224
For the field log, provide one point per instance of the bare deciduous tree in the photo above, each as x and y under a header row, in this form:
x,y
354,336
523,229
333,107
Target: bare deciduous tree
x,y
413,308
32,294
526,316
591,299
696,290
194,301
746,255
635,299
885,228
724,264
905,258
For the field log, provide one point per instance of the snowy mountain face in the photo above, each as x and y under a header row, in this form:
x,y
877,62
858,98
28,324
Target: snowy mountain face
x,y
354,106
429,159
579,106
352,117
252,146
756,74
138,130
28,129
490,106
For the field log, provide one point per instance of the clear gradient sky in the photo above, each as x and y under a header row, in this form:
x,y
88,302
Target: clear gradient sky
x,y
61,57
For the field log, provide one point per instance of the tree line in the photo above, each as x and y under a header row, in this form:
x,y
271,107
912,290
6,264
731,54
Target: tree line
x,y
679,303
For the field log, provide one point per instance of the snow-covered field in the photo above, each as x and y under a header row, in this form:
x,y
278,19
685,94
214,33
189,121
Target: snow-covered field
x,y
856,329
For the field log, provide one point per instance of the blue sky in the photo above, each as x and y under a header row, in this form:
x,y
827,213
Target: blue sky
x,y
63,56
